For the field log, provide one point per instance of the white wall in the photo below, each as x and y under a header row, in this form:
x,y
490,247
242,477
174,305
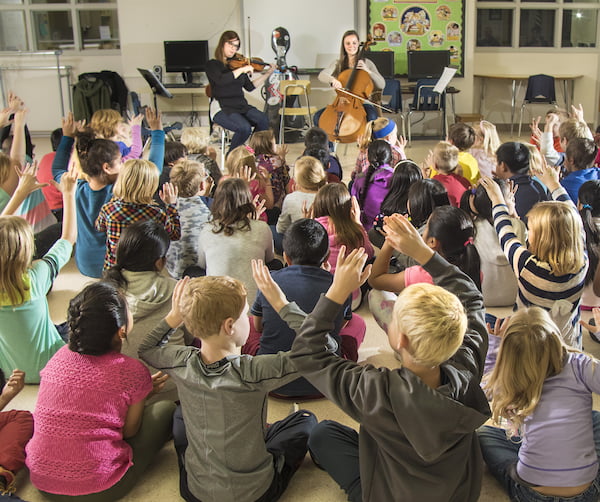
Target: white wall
x,y
144,24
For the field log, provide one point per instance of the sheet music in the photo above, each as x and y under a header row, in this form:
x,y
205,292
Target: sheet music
x,y
444,80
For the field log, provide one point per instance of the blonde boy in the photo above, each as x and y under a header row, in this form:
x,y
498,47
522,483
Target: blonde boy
x,y
417,423
225,451
189,178
309,176
445,161
196,141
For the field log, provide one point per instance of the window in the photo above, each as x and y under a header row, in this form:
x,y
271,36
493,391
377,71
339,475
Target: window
x,y
42,25
537,23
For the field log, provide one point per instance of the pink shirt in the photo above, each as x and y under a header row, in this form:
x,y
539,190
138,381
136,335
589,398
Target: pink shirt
x,y
77,446
334,248
52,194
415,275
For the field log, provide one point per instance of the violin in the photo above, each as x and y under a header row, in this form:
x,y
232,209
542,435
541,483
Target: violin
x,y
345,119
237,61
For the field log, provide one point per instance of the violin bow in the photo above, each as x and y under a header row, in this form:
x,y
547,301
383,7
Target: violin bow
x,y
365,100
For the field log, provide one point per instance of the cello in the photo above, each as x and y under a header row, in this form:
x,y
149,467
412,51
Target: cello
x,y
345,119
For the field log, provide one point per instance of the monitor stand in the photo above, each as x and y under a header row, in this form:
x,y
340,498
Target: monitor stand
x,y
188,77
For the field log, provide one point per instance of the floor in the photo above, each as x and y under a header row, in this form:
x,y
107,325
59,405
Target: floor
x,y
160,483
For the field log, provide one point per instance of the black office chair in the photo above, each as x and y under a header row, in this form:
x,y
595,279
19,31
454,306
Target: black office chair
x,y
427,100
540,89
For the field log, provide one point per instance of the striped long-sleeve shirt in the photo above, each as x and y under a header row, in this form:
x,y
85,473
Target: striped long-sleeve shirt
x,y
117,214
538,286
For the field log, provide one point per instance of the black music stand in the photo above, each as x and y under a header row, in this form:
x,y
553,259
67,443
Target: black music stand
x,y
158,89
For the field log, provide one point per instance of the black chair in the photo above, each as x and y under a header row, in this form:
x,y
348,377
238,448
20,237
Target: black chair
x,y
425,99
540,89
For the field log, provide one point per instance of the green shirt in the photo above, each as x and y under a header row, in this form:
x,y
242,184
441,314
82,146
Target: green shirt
x,y
28,338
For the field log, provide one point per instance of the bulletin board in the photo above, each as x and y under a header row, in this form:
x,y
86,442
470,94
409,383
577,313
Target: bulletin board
x,y
403,25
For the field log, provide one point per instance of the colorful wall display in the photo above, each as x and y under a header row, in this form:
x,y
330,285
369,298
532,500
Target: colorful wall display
x,y
403,25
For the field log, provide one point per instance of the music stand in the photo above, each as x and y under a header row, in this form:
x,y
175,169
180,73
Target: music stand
x,y
158,89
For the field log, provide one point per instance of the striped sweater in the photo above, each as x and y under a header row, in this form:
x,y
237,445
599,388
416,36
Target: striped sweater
x,y
538,286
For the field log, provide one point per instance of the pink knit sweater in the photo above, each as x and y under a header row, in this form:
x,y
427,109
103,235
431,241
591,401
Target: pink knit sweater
x,y
77,446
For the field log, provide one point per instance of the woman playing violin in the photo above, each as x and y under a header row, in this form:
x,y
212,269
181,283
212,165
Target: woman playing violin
x,y
348,53
228,106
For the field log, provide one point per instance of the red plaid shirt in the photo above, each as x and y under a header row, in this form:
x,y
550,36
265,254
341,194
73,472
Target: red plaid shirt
x,y
116,214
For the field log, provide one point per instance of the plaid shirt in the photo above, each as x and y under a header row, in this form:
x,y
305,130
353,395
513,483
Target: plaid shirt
x,y
116,214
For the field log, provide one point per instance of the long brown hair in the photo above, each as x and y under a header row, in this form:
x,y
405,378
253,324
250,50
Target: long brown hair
x,y
262,142
232,208
334,200
227,36
342,63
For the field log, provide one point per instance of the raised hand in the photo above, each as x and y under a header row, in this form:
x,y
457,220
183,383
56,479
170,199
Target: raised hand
x,y
588,326
245,173
548,175
259,204
401,235
169,193
269,288
577,112
28,182
14,385
159,380
69,126
493,190
350,274
154,119
536,132
307,211
175,318
136,120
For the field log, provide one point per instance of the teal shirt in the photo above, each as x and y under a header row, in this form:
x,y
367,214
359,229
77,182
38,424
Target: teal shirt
x,y
28,337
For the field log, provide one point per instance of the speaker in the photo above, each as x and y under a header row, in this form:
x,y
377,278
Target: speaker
x,y
157,69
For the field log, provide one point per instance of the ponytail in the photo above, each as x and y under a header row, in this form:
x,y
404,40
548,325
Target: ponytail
x,y
379,154
454,230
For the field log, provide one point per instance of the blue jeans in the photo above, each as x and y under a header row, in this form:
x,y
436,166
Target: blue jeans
x,y
241,124
501,454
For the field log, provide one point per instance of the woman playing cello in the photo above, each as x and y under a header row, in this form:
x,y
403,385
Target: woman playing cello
x,y
228,106
348,53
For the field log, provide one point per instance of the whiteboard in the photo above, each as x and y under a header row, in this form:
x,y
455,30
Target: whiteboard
x,y
315,27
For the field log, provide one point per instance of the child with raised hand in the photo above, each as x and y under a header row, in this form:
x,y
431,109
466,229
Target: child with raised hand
x,y
380,128
417,423
449,231
138,273
445,162
234,236
28,337
225,449
371,187
309,177
16,428
94,436
484,149
101,162
133,201
241,163
551,268
542,390
189,178
272,157
498,282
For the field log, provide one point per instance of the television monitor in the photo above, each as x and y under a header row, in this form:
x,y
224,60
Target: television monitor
x,y
427,64
384,61
186,56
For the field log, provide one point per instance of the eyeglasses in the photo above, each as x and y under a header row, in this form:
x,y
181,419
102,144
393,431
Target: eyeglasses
x,y
236,46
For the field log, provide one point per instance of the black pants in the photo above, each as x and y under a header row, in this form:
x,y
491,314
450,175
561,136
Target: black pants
x,y
334,448
286,438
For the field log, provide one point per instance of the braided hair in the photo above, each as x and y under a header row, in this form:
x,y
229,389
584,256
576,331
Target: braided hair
x,y
589,200
379,154
94,316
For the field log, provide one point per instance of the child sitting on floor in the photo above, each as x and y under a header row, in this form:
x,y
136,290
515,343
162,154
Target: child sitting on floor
x,y
462,136
305,249
445,160
225,449
16,428
417,423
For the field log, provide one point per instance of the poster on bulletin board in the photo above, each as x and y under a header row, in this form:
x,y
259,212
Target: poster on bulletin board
x,y
403,25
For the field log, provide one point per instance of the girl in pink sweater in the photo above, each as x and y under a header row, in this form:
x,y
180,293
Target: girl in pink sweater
x,y
93,435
